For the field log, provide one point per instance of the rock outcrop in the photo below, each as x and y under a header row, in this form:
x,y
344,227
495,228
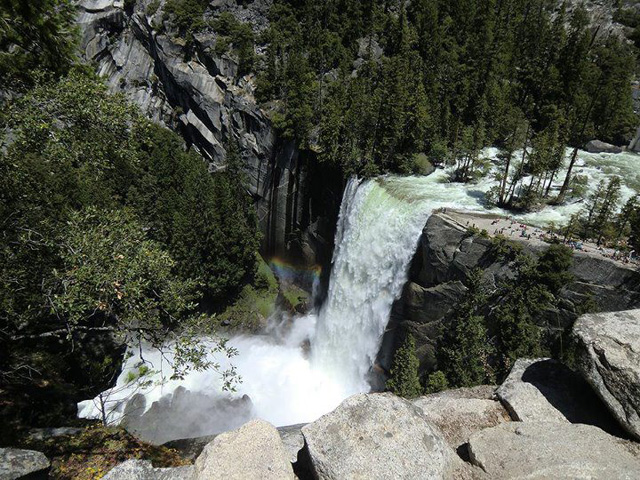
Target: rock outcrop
x,y
377,436
143,470
544,390
447,253
16,463
461,412
200,93
184,414
253,451
609,358
540,450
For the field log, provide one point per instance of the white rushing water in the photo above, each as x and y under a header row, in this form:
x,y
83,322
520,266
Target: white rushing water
x,y
378,230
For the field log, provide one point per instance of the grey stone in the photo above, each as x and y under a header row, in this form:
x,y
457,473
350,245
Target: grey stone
x,y
596,146
425,305
143,470
543,450
16,463
544,390
292,440
40,434
191,448
609,358
458,415
255,450
377,436
525,400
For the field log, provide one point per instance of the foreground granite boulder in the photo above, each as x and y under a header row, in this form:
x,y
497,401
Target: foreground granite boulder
x,y
544,390
461,412
527,401
377,436
15,463
609,358
143,470
255,450
544,450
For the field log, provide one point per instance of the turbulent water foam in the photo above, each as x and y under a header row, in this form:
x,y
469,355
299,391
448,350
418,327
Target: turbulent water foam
x,y
380,223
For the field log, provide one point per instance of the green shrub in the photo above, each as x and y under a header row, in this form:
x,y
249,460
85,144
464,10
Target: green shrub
x,y
404,380
436,382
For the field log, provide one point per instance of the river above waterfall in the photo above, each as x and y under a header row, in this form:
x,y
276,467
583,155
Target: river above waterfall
x,y
328,355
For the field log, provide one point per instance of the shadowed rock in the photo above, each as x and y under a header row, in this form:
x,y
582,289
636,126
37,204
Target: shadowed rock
x,y
184,414
609,358
544,390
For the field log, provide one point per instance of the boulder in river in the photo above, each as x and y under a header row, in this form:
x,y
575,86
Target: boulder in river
x,y
16,463
609,358
596,146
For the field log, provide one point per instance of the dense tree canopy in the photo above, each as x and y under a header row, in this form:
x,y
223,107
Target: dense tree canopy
x,y
98,229
371,84
35,36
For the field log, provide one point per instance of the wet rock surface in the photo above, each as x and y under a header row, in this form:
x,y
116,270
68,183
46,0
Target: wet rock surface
x,y
199,93
184,414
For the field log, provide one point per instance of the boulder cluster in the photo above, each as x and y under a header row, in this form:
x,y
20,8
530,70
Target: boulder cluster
x,y
546,421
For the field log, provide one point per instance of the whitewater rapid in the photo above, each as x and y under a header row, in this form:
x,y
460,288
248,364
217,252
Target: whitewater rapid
x,y
328,354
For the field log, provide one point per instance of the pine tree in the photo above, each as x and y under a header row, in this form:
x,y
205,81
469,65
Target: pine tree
x,y
404,380
464,350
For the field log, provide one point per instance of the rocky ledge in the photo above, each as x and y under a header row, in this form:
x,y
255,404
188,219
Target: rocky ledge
x,y
545,421
448,252
201,94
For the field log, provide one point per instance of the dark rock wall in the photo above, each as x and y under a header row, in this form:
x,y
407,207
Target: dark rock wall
x,y
200,94
445,256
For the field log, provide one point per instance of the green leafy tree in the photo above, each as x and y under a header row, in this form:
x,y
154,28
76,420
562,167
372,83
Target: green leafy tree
x,y
113,277
404,380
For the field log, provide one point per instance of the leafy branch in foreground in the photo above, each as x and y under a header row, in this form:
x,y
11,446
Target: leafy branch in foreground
x,y
112,275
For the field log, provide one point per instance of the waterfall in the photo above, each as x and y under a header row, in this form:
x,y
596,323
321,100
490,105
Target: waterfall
x,y
378,229
379,226
377,236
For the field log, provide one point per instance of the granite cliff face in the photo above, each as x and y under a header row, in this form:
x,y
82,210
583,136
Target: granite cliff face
x,y
199,93
447,253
